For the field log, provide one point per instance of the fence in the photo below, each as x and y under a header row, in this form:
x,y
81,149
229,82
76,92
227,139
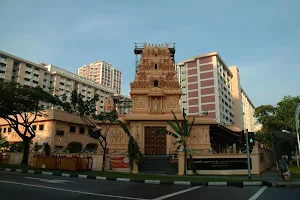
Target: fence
x,y
4,159
64,163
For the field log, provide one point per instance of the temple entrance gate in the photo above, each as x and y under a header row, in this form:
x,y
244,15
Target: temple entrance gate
x,y
155,144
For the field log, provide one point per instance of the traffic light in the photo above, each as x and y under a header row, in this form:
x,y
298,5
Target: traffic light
x,y
251,140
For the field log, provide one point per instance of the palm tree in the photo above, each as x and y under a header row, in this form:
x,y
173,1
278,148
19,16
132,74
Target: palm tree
x,y
134,153
181,131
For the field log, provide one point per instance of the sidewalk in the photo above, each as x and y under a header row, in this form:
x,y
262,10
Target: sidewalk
x,y
272,176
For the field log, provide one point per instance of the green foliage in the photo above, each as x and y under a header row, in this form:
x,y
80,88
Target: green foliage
x,y
77,105
20,107
134,153
181,129
47,149
111,116
264,137
86,110
276,118
3,142
36,147
279,117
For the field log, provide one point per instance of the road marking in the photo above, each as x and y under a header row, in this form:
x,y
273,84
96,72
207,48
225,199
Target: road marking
x,y
177,193
123,179
47,173
258,193
82,176
50,180
152,181
74,191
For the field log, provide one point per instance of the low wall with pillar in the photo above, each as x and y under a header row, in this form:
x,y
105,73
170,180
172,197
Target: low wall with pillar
x,y
116,160
231,163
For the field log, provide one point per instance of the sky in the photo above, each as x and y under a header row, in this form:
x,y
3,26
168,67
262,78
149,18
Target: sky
x,y
262,38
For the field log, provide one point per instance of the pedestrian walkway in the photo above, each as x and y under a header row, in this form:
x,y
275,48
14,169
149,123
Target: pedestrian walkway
x,y
272,175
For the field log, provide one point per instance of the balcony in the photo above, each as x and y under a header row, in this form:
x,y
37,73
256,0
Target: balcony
x,y
3,60
28,76
28,69
35,78
27,83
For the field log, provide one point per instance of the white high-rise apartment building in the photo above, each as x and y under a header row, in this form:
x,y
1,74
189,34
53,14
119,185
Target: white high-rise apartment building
x,y
102,73
46,76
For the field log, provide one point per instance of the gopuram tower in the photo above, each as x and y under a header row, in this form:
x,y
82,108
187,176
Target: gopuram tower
x,y
155,89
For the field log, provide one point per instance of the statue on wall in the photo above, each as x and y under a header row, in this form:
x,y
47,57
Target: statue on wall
x,y
155,104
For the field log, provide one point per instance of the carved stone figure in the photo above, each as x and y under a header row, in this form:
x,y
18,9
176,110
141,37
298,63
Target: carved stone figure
x,y
155,103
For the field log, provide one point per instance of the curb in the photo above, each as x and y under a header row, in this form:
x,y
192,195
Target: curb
x,y
158,182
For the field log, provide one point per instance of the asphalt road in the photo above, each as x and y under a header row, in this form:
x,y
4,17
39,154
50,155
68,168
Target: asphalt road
x,y
32,186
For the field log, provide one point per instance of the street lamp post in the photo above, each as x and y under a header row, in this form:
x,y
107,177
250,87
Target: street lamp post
x,y
297,131
248,155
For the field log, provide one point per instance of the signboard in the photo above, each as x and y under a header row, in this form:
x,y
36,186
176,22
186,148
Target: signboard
x,y
220,164
119,162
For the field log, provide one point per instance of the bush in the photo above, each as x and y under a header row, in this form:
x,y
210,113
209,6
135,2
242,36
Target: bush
x,y
47,149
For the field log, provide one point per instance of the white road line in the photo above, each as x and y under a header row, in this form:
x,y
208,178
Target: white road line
x,y
50,180
177,193
74,191
258,193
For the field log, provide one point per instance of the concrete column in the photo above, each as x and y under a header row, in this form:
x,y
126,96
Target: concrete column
x,y
135,168
181,163
234,147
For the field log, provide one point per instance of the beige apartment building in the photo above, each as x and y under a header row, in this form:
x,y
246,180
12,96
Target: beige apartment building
x,y
48,77
206,86
248,113
59,128
209,85
102,73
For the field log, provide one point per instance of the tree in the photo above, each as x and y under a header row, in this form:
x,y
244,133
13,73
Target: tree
x,y
3,142
279,117
20,107
276,118
134,153
181,131
86,110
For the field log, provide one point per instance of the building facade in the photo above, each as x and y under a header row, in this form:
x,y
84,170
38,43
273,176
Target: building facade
x,y
206,86
102,73
209,85
248,113
50,78
123,104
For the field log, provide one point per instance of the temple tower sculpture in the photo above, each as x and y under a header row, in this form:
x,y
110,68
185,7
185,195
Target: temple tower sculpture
x,y
155,89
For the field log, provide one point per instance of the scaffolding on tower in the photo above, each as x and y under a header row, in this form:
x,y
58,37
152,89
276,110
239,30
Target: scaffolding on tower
x,y
138,49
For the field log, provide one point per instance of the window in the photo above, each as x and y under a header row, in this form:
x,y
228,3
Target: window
x,y
4,130
156,83
9,129
59,132
155,66
41,127
34,127
72,129
81,130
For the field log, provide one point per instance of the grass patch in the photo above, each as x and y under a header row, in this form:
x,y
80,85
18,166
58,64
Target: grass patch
x,y
295,171
140,176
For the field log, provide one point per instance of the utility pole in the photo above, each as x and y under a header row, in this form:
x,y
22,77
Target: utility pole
x,y
248,155
297,131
